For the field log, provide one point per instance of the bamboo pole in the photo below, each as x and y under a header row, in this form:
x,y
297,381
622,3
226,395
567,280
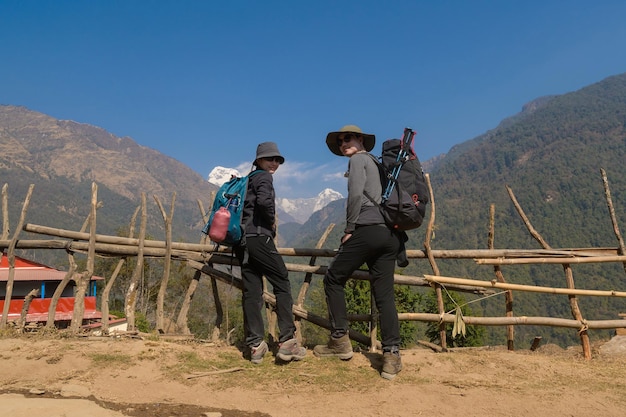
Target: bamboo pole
x,y
181,321
307,282
81,286
25,307
109,285
167,220
609,203
35,244
58,292
517,321
569,276
272,317
219,310
329,253
117,240
521,287
508,295
499,256
373,322
504,321
131,294
5,213
11,259
433,263
557,260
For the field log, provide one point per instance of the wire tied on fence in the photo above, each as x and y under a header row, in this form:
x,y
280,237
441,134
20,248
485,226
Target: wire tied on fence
x,y
583,326
458,327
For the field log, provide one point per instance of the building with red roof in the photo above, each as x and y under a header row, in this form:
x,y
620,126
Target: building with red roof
x,y
28,276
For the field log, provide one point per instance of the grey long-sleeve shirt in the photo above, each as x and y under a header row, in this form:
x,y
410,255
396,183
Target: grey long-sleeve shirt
x,y
363,176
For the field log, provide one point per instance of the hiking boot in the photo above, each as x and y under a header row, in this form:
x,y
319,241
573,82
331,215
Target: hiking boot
x,y
391,365
341,348
290,350
257,353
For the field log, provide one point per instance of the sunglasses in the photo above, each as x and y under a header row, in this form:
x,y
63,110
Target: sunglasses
x,y
273,159
345,139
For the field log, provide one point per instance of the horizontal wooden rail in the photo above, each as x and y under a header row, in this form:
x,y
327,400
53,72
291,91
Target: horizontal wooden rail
x,y
503,321
411,253
520,287
556,260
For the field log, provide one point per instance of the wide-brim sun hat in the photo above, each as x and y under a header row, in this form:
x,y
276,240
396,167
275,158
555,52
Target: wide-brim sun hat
x,y
331,139
268,150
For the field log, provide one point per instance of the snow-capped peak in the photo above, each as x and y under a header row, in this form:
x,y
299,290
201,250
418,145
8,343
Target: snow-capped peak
x,y
326,197
220,175
302,208
298,209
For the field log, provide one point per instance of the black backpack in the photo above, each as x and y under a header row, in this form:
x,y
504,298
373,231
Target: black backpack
x,y
405,193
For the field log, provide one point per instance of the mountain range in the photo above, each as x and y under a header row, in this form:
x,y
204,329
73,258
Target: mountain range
x,y
61,158
549,155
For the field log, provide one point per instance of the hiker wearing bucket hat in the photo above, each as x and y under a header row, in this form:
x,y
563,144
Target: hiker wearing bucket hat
x,y
259,257
268,151
368,240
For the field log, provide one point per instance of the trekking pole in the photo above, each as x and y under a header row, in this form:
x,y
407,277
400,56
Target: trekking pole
x,y
403,156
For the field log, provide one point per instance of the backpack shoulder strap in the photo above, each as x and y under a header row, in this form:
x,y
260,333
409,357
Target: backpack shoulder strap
x,y
251,173
381,172
251,218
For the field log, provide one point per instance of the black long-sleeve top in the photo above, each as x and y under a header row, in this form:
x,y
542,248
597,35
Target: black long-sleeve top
x,y
260,205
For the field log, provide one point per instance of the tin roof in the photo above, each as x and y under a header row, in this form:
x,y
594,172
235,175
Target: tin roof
x,y
26,270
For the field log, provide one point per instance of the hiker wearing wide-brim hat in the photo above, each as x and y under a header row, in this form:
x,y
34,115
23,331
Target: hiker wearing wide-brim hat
x,y
332,139
366,239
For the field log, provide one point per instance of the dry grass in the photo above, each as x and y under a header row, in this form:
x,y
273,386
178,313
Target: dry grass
x,y
492,381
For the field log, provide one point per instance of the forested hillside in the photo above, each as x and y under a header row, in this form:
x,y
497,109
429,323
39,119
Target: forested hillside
x,y
551,158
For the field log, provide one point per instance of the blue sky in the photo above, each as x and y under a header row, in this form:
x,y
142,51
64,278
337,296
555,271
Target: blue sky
x,y
205,81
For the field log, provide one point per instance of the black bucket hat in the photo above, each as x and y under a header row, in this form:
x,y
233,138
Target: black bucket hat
x,y
267,150
331,139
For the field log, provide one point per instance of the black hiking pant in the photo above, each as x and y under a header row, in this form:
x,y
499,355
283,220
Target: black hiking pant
x,y
377,246
263,260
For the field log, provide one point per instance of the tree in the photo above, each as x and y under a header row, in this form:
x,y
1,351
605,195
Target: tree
x,y
407,300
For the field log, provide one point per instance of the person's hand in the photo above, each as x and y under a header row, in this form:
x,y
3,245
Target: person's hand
x,y
345,237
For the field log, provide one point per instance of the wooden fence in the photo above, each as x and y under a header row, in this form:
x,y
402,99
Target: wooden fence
x,y
206,261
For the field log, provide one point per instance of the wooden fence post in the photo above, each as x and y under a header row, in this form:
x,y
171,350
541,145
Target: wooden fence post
x,y
11,259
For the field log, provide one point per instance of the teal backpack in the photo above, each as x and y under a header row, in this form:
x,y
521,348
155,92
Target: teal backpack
x,y
224,226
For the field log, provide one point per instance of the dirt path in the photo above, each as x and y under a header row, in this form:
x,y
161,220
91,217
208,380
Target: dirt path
x,y
128,377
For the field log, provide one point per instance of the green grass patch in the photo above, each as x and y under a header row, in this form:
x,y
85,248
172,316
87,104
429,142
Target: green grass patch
x,y
109,359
